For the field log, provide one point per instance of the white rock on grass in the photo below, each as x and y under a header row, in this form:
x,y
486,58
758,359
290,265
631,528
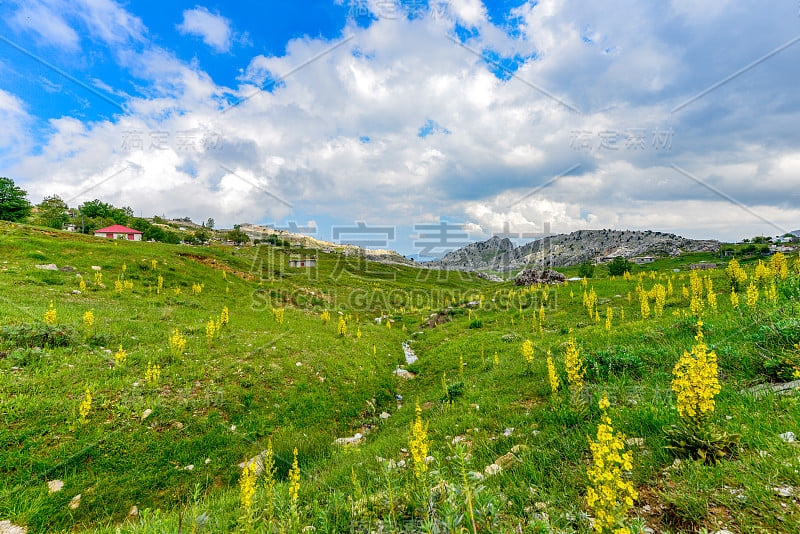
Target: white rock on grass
x,y
492,469
7,527
146,414
788,437
784,491
48,267
411,357
355,440
75,502
402,373
54,486
385,415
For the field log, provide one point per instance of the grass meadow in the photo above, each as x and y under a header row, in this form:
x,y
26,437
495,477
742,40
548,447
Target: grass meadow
x,y
197,359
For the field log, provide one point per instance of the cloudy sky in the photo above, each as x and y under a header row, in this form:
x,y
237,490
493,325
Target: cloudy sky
x,y
507,116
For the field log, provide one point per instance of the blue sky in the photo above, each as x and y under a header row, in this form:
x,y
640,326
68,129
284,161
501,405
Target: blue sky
x,y
673,116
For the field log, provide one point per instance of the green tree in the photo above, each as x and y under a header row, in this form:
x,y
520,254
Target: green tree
x,y
237,236
201,236
619,266
210,223
96,208
586,270
52,212
14,205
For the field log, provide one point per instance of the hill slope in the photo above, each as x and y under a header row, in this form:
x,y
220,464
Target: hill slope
x,y
563,250
471,436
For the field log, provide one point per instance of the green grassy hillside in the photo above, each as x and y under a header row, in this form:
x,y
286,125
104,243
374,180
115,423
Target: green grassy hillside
x,y
279,372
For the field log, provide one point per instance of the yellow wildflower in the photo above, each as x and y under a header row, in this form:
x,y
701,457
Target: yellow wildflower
x,y
85,406
609,495
752,295
152,373
247,488
88,319
120,356
695,380
527,351
418,444
574,365
50,314
555,383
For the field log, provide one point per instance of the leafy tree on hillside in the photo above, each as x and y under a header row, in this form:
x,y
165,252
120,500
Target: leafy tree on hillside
x,y
96,208
237,236
52,212
200,236
619,266
586,270
140,224
210,223
14,205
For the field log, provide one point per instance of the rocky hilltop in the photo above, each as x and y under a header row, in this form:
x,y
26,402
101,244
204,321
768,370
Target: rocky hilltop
x,y
255,231
563,250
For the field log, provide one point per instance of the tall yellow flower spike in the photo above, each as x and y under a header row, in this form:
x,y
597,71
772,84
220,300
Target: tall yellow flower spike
x,y
609,495
695,381
418,444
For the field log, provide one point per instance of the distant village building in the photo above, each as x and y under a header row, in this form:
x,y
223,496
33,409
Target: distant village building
x,y
302,262
69,227
119,232
641,260
703,265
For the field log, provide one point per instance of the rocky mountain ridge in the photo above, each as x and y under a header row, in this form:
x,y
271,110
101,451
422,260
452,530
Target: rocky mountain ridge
x,y
563,250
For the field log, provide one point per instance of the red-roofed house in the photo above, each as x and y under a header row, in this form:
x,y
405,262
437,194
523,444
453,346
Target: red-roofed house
x,y
119,232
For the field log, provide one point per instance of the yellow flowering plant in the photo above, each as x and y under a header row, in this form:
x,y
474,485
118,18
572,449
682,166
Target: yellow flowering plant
x,y
609,495
644,305
573,362
779,266
152,374
552,375
527,353
277,313
247,490
418,444
88,320
85,406
177,343
50,315
752,295
120,356
294,491
210,330
696,384
736,275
